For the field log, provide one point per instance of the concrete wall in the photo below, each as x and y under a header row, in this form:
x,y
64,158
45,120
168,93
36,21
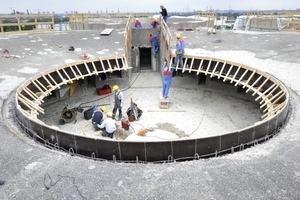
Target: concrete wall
x,y
101,25
140,39
187,25
259,24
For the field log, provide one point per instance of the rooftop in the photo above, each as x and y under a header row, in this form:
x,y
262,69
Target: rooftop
x,y
32,171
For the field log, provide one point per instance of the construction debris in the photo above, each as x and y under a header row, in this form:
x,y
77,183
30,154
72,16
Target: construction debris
x,y
85,56
71,48
143,131
60,46
6,53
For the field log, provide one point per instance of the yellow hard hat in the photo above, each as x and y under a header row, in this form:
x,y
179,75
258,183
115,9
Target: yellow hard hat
x,y
103,108
178,35
115,88
109,114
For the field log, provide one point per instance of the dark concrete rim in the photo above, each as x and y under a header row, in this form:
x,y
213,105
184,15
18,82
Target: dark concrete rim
x,y
271,94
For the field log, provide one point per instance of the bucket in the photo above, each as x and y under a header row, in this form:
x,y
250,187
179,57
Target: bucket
x,y
125,124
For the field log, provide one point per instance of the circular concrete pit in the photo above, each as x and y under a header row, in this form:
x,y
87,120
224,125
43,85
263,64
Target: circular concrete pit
x,y
242,85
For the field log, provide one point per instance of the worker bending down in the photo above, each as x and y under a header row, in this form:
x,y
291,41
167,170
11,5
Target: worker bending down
x,y
118,101
98,116
167,75
109,126
137,23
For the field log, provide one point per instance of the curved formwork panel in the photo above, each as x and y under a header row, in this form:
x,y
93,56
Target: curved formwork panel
x,y
258,86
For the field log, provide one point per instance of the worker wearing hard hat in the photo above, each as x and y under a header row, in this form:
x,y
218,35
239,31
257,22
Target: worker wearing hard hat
x,y
137,23
179,50
154,23
109,126
98,116
118,98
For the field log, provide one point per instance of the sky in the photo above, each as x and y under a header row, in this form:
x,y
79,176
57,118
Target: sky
x,y
61,6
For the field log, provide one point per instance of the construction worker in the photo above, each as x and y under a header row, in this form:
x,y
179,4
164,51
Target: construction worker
x,y
98,116
137,23
164,13
167,75
154,43
154,23
179,50
118,99
109,126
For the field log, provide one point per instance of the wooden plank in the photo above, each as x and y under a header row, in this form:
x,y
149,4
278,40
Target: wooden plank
x,y
95,70
30,103
225,78
192,63
62,78
250,77
208,66
87,68
109,65
67,75
102,65
117,62
265,92
222,70
274,102
79,71
71,67
36,85
33,95
184,65
212,73
241,77
46,89
270,93
53,81
237,71
199,68
49,84
254,84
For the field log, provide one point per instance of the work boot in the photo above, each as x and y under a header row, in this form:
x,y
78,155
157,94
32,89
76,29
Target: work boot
x,y
2,182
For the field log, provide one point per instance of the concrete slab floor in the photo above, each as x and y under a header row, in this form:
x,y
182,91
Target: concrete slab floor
x,y
194,112
266,171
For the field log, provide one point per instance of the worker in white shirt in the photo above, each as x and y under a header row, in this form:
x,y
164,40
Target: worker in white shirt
x,y
109,126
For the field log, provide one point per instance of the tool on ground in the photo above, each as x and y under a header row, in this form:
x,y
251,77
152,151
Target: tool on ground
x,y
125,124
143,131
69,115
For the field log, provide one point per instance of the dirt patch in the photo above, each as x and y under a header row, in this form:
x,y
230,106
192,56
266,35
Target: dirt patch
x,y
171,128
